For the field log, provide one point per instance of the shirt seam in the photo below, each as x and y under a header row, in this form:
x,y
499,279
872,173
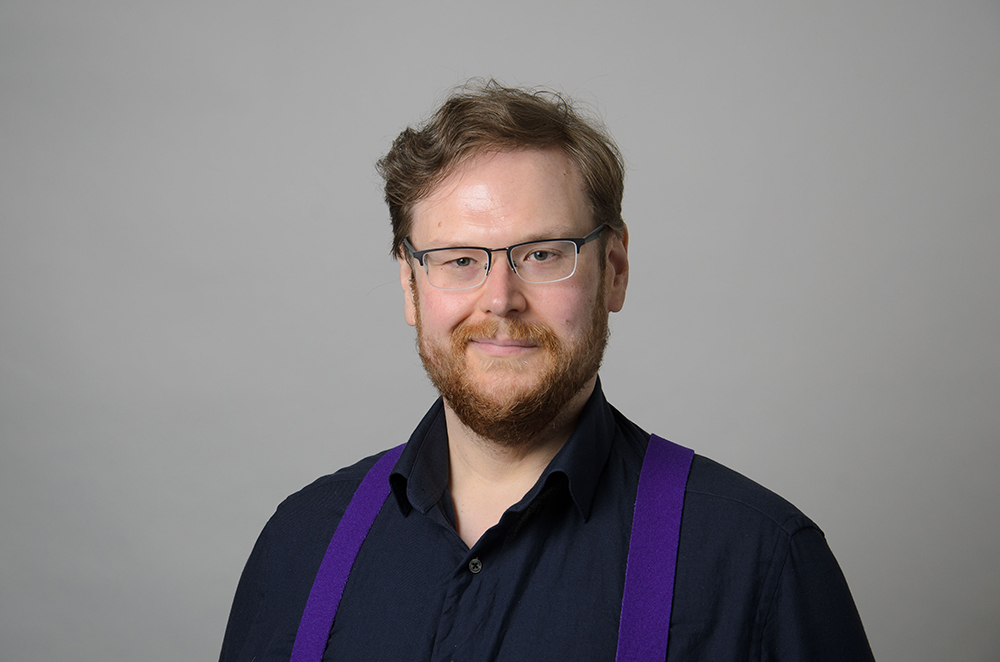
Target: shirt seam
x,y
781,524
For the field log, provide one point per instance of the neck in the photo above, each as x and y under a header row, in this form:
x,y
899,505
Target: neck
x,y
486,477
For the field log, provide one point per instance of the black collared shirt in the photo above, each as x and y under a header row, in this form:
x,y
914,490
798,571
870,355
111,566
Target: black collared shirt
x,y
755,578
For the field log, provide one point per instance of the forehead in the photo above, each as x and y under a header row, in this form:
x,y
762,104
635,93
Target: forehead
x,y
504,197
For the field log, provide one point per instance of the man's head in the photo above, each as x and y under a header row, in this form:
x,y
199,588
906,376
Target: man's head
x,y
509,352
491,118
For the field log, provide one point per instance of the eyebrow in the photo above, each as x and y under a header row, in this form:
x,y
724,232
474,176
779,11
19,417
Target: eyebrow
x,y
536,236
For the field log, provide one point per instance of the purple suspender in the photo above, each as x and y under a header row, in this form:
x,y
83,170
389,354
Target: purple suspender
x,y
328,587
649,573
652,552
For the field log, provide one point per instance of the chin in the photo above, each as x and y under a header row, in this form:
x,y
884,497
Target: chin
x,y
504,383
497,368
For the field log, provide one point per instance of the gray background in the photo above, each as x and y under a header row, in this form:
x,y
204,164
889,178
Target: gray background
x,y
199,315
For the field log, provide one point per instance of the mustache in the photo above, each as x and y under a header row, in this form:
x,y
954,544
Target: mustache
x,y
514,329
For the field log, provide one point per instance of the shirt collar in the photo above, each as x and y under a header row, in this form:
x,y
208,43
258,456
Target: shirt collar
x,y
420,478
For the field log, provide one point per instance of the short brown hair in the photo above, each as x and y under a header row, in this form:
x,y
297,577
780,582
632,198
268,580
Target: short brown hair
x,y
486,116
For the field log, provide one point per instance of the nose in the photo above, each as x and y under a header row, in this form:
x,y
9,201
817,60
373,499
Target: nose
x,y
502,293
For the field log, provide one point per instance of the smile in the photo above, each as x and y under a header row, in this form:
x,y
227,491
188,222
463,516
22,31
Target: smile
x,y
502,346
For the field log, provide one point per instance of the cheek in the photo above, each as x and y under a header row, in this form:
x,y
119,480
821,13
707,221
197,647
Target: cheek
x,y
441,314
571,310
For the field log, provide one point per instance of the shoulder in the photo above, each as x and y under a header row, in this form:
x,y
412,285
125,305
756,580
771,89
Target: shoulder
x,y
278,575
320,504
749,558
331,489
293,541
714,493
728,495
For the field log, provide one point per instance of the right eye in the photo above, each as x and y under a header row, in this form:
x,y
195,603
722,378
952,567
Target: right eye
x,y
457,260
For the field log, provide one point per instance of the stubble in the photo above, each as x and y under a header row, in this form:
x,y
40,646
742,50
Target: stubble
x,y
506,414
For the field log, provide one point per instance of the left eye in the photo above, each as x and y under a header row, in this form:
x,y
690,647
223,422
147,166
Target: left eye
x,y
540,256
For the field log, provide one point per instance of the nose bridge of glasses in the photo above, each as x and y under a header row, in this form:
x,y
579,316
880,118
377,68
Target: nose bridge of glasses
x,y
507,251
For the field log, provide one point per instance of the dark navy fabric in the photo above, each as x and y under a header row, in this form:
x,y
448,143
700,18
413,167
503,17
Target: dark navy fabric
x,y
335,569
755,578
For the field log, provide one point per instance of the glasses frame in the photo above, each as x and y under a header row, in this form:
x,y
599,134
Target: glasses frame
x,y
579,242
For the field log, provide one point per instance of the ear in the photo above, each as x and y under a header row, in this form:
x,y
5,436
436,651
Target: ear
x,y
617,270
406,282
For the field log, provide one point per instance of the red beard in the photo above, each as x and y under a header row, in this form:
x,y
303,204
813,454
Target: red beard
x,y
512,416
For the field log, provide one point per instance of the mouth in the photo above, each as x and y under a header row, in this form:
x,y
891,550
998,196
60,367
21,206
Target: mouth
x,y
502,346
505,342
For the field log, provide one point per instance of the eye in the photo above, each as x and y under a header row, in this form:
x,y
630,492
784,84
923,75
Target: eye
x,y
540,255
457,262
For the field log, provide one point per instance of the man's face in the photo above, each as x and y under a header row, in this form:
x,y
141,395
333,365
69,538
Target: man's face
x,y
508,355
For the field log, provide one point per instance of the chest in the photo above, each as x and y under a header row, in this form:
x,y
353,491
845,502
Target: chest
x,y
544,583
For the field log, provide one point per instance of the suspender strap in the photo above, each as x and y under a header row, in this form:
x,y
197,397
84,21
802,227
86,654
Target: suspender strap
x,y
327,589
649,574
652,552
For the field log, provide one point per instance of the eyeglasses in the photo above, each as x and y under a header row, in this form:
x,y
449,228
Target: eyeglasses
x,y
465,267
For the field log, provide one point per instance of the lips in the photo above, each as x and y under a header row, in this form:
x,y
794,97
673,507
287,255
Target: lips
x,y
502,347
505,342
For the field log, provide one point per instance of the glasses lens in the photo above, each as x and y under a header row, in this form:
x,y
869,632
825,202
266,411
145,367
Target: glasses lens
x,y
456,268
545,261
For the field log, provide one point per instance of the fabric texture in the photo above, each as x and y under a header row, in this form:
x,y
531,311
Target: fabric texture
x,y
755,579
643,632
328,587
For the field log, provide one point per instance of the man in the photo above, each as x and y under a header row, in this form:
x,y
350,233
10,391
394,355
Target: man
x,y
508,525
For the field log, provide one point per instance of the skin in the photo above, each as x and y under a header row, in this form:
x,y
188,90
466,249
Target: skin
x,y
499,199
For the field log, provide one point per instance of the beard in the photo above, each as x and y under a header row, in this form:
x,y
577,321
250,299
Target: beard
x,y
503,412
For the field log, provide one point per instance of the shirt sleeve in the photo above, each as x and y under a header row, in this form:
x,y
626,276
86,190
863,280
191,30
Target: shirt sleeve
x,y
247,603
812,615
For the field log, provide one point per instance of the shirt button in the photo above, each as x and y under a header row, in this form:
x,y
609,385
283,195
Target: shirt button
x,y
475,566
